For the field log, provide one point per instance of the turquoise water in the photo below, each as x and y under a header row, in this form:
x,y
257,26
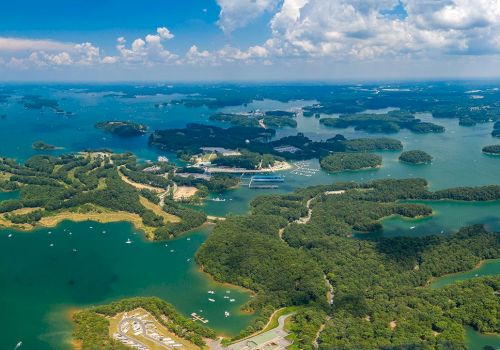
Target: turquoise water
x,y
478,341
39,283
448,217
90,263
488,268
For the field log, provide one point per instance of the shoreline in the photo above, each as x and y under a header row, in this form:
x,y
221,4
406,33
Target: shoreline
x,y
477,266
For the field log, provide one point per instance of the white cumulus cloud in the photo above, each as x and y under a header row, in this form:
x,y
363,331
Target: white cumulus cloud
x,y
238,13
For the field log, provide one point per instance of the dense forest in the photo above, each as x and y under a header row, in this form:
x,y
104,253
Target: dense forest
x,y
386,123
189,141
122,128
350,161
415,157
272,119
492,149
293,247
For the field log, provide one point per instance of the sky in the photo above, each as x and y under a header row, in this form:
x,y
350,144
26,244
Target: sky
x,y
248,40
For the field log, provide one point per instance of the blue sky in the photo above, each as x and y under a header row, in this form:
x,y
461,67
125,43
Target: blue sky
x,y
249,39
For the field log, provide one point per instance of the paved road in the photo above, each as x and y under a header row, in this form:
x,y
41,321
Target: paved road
x,y
144,333
274,336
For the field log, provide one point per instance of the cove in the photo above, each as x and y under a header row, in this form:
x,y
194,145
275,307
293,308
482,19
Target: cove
x,y
47,272
448,216
478,341
487,268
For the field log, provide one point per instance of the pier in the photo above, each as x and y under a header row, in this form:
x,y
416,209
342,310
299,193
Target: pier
x,y
265,181
197,317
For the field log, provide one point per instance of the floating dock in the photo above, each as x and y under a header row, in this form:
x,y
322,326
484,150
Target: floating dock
x,y
265,181
196,317
267,178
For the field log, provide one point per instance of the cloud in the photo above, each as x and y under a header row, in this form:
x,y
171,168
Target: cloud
x,y
20,44
164,33
148,51
45,53
346,29
238,13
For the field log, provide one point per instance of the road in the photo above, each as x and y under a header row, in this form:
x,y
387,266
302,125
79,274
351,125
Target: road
x,y
144,333
275,336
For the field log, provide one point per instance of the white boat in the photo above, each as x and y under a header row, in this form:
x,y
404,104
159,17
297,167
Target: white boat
x,y
10,235
218,199
226,314
413,227
128,241
51,244
232,300
18,345
211,292
211,300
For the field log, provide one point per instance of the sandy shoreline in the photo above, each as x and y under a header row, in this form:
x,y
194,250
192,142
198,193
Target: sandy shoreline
x,y
278,166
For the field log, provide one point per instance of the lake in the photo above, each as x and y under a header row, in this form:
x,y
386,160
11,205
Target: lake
x,y
46,272
40,283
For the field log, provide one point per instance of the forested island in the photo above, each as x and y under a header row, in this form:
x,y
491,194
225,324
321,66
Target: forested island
x,y
492,149
415,157
191,140
42,146
103,187
391,122
296,249
122,128
350,161
272,119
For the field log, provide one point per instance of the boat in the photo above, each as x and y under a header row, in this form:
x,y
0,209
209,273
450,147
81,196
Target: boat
x,y
18,345
10,235
226,314
218,199
211,300
232,300
51,244
211,292
128,241
413,227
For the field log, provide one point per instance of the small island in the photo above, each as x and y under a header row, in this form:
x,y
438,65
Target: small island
x,y
122,128
350,161
492,150
42,146
415,157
